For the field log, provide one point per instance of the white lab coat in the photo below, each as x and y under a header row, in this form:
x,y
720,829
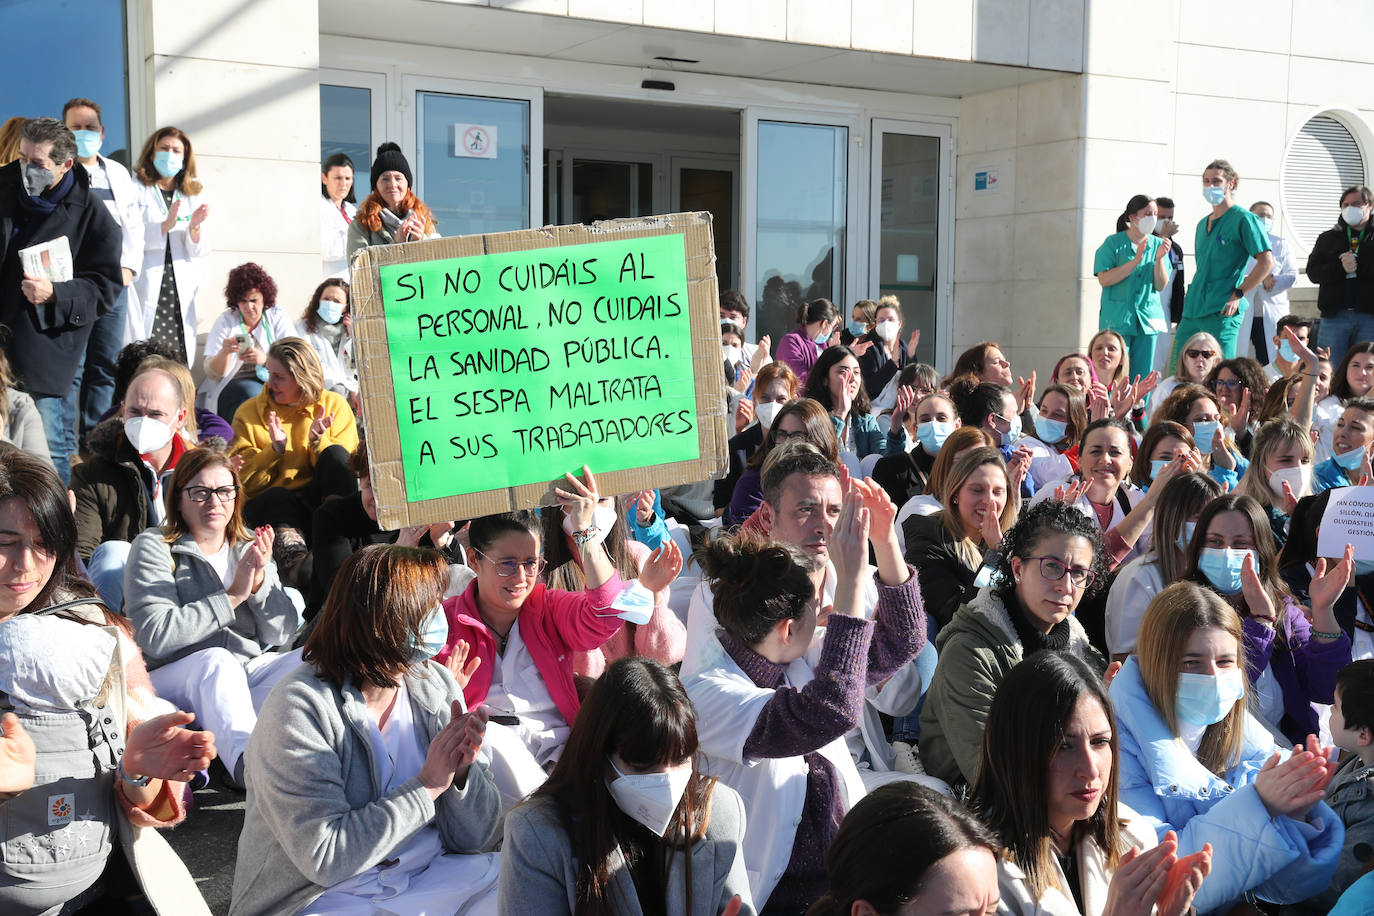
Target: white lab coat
x,y
273,327
333,361
126,211
334,238
138,324
1269,305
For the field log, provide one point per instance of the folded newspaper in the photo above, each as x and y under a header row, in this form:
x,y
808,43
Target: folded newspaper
x,y
51,260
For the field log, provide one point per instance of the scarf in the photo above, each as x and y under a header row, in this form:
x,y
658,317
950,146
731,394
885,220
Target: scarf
x,y
48,201
1032,640
391,222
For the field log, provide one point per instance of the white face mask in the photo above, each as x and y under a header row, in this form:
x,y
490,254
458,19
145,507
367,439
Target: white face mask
x,y
650,798
1353,216
888,329
147,435
1147,224
603,519
1299,479
767,412
733,355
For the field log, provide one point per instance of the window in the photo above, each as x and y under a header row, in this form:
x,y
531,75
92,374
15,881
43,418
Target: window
x,y
346,126
1323,160
44,67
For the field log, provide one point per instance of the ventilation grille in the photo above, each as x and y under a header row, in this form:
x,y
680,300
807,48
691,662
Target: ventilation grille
x,y
1323,161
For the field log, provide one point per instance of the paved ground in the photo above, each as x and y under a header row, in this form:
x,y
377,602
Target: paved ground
x,y
208,841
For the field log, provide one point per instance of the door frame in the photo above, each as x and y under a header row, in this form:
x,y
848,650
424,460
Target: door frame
x,y
412,85
376,84
944,226
722,163
571,154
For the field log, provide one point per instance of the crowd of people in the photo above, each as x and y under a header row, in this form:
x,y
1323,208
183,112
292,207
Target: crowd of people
x,y
961,644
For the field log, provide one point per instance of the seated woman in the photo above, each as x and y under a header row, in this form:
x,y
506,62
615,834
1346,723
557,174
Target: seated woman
x,y
1061,419
206,606
1290,662
1351,443
1353,378
20,423
774,387
956,549
803,420
1110,358
1051,559
68,663
661,637
773,722
836,385
328,325
1240,387
957,444
1075,371
1196,408
236,348
1194,761
1298,564
928,424
1198,355
1180,503
367,792
627,823
1280,472
1047,786
526,635
293,440
904,849
799,348
1163,441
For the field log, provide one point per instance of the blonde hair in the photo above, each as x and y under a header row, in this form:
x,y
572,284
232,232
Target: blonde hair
x,y
1199,337
1170,621
298,358
966,542
1272,437
187,386
9,139
962,439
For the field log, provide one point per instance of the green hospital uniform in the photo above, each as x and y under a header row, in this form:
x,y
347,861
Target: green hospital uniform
x,y
1131,307
1221,256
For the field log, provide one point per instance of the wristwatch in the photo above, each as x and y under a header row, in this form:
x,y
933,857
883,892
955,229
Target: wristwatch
x,y
1239,293
138,781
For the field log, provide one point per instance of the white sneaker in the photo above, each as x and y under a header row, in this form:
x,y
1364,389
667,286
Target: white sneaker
x,y
907,761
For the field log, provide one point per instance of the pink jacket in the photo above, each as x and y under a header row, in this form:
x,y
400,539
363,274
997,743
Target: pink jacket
x,y
553,624
663,638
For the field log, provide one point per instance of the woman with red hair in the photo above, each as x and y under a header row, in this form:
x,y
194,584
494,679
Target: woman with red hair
x,y
392,213
236,348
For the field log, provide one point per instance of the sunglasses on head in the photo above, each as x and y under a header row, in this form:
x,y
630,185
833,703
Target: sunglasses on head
x,y
1199,354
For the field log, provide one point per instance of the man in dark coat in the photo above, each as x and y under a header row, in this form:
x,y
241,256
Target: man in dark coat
x,y
45,196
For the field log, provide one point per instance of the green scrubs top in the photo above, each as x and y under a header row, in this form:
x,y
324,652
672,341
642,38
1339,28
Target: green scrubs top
x,y
1132,306
1220,260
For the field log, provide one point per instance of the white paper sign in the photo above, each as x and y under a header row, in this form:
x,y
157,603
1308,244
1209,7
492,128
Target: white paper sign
x,y
50,260
474,141
1349,519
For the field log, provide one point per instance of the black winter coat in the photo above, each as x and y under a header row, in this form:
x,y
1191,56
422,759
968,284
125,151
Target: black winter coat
x,y
1324,269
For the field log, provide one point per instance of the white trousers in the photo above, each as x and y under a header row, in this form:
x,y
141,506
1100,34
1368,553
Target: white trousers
x,y
513,767
224,693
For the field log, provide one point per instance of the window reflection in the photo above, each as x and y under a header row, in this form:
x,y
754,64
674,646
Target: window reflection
x,y
470,194
346,127
801,220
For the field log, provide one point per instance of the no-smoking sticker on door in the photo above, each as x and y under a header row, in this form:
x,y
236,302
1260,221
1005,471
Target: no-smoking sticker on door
x,y
474,141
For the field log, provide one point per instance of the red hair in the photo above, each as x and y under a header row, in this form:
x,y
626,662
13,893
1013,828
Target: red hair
x,y
370,213
248,277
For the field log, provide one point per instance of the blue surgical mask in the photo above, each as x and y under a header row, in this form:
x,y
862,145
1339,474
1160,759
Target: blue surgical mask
x,y
87,142
1185,537
433,636
1222,566
330,312
857,328
1206,699
1203,433
1013,432
1214,195
262,373
1267,223
821,339
167,163
1050,431
932,434
635,603
1286,351
1157,465
1350,460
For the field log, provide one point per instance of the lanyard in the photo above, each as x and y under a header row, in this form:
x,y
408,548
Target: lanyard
x,y
262,323
1354,240
343,211
182,216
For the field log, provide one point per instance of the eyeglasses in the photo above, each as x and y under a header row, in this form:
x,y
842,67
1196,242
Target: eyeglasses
x,y
1227,384
1052,570
506,568
203,494
1199,354
782,435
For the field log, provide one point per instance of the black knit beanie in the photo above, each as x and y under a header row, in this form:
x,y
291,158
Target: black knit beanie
x,y
390,159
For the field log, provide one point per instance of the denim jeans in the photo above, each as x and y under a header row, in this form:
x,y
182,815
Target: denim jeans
x,y
1343,330
97,383
59,423
908,728
234,394
106,572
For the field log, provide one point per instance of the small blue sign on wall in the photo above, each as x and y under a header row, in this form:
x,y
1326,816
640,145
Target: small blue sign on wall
x,y
985,180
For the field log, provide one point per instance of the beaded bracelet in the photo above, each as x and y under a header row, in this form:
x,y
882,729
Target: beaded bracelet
x,y
1320,635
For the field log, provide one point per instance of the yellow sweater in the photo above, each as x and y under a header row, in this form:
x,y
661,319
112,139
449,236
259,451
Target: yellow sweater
x,y
263,468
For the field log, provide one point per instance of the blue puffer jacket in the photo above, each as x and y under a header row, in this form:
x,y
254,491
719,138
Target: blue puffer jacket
x,y
1278,858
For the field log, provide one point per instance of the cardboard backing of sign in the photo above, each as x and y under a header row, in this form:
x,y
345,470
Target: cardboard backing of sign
x,y
394,509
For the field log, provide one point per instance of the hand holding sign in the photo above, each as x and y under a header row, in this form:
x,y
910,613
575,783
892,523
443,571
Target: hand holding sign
x,y
579,500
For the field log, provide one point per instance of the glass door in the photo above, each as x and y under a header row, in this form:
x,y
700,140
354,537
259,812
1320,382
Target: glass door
x,y
910,232
709,184
606,185
473,149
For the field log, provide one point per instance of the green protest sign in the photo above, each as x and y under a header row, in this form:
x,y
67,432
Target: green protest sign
x,y
509,368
